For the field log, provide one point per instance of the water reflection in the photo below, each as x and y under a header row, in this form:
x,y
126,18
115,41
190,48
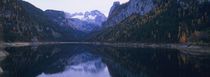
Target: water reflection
x,y
91,61
83,65
149,62
3,55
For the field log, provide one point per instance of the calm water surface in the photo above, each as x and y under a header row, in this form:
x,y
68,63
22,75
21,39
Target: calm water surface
x,y
101,61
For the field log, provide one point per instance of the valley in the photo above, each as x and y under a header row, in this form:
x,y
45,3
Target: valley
x,y
161,21
137,38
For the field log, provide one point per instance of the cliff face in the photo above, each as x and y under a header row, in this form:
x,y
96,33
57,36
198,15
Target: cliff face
x,y
115,4
120,12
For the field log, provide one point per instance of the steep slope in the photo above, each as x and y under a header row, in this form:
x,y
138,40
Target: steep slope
x,y
59,17
22,21
87,22
120,12
171,21
115,4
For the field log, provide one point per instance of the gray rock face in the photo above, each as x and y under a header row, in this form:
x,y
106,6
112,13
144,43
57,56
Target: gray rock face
x,y
115,4
123,11
141,7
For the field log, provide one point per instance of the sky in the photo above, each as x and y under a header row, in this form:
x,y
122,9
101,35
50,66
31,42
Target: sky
x,y
73,6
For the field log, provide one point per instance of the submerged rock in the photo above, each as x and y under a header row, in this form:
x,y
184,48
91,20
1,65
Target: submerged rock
x,y
1,71
3,54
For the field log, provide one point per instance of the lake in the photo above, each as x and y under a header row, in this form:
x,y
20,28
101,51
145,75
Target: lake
x,y
102,61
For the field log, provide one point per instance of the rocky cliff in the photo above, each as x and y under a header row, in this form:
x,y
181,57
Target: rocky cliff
x,y
169,21
120,12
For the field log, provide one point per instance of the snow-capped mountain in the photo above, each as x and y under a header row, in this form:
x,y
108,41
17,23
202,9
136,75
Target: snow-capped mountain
x,y
87,21
92,17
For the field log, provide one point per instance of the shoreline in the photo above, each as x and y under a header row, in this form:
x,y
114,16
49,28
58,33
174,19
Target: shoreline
x,y
188,49
183,47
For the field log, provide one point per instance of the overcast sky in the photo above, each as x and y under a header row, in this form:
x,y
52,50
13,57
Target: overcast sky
x,y
73,6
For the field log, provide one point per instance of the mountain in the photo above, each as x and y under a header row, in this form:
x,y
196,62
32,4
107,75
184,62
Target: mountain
x,y
115,4
94,16
83,22
168,21
59,17
88,21
21,21
120,12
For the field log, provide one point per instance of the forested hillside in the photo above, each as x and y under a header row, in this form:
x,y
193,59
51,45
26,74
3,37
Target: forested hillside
x,y
21,21
171,21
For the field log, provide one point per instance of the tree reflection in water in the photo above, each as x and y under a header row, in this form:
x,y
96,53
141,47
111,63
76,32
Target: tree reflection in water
x,y
100,61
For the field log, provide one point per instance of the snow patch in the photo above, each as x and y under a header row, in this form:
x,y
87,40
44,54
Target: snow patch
x,y
81,17
92,17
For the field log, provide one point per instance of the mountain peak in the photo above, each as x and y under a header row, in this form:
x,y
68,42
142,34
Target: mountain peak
x,y
115,4
119,11
91,16
87,21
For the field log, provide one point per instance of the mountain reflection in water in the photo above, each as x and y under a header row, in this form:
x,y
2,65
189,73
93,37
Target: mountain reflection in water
x,y
83,65
102,61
